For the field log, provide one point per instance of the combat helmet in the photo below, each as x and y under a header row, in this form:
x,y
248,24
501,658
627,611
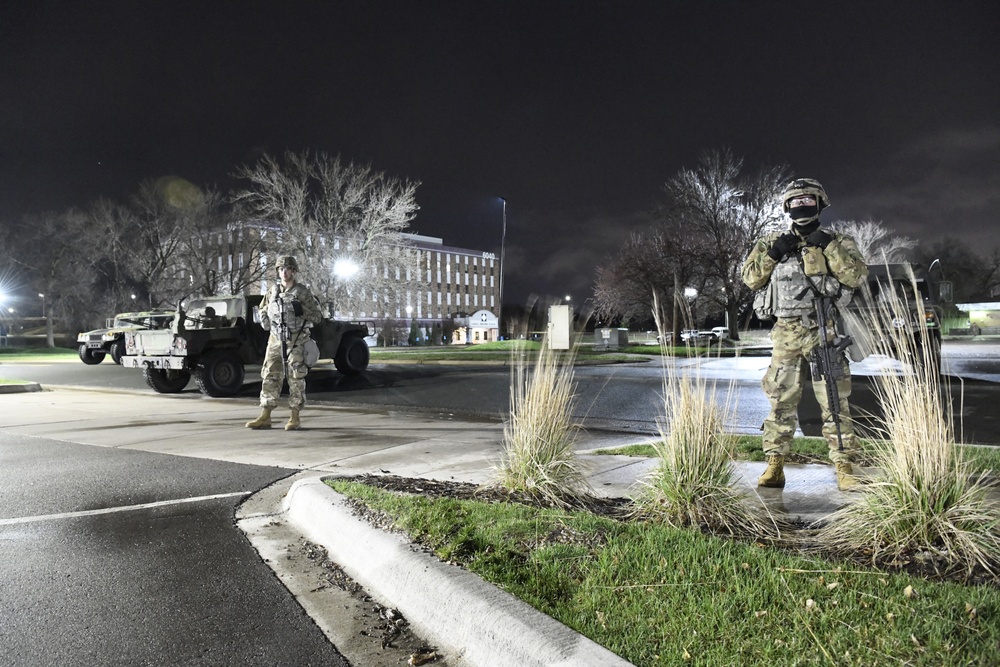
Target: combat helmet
x,y
286,260
805,186
804,218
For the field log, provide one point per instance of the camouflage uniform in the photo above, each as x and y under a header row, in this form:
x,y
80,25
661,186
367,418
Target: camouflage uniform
x,y
796,333
273,371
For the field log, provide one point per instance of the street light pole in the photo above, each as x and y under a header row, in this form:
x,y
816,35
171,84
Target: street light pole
x,y
503,247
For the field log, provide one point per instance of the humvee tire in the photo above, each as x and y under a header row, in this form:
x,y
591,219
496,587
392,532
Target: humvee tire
x,y
352,356
90,357
220,373
117,351
166,382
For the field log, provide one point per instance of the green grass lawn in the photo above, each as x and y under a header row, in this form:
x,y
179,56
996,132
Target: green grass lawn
x,y
501,351
662,596
814,450
724,351
16,354
748,448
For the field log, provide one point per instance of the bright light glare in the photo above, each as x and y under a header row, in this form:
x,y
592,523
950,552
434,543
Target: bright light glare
x,y
345,268
690,292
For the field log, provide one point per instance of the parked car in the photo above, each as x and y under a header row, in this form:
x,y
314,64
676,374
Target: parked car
x,y
694,336
93,346
719,333
712,335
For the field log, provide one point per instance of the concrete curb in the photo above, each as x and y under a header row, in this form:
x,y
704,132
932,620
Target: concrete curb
x,y
466,617
19,388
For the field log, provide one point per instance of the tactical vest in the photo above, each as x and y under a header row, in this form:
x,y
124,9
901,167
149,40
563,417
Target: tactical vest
x,y
794,279
282,301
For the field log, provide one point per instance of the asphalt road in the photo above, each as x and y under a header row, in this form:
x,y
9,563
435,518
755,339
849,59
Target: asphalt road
x,y
622,397
121,557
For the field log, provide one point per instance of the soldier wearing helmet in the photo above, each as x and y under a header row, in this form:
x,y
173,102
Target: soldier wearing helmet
x,y
288,310
790,267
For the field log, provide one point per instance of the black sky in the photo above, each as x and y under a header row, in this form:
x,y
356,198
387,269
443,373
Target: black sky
x,y
576,112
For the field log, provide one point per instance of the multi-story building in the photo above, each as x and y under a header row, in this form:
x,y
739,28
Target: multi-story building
x,y
457,288
446,289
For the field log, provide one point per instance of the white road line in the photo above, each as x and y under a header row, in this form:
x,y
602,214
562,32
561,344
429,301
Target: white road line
x,y
112,510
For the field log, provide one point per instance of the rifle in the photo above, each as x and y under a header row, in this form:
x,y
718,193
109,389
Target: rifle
x,y
828,359
282,333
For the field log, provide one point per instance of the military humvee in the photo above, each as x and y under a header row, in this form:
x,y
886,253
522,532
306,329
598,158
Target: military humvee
x,y
93,346
922,320
215,348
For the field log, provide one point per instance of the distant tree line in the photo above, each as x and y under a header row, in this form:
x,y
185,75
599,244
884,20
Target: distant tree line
x,y
171,239
685,268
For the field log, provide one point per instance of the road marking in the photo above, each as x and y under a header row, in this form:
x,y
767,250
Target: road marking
x,y
112,510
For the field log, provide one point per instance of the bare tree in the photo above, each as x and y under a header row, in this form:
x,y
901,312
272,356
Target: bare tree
x,y
221,255
974,277
53,252
729,211
876,242
113,225
647,277
330,214
161,229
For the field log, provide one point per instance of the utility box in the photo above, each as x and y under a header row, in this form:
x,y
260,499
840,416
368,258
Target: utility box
x,y
560,325
610,339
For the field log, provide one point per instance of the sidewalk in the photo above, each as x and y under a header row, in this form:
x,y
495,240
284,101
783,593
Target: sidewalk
x,y
474,623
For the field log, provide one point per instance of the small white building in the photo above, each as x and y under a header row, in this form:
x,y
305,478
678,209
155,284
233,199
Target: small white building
x,y
479,327
984,316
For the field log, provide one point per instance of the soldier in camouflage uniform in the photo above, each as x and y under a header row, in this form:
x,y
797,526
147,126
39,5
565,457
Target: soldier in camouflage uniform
x,y
293,304
794,265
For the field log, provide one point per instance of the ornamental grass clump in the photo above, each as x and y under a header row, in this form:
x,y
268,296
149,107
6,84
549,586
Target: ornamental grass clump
x,y
925,504
538,438
694,484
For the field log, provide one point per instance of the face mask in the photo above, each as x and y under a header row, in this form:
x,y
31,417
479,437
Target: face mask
x,y
806,228
803,212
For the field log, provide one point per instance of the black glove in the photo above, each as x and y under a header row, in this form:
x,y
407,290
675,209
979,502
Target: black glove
x,y
819,238
783,245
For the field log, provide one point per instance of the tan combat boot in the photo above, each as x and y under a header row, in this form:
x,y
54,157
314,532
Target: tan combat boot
x,y
774,476
293,421
263,421
846,481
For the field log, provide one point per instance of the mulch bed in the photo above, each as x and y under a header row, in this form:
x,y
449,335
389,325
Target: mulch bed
x,y
615,508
